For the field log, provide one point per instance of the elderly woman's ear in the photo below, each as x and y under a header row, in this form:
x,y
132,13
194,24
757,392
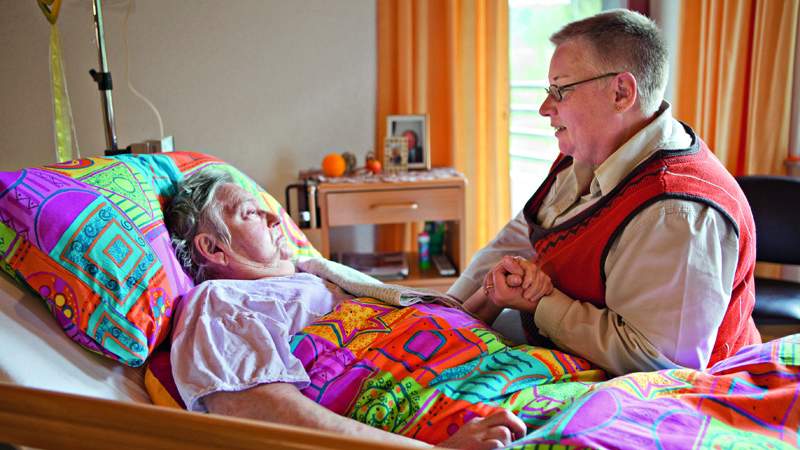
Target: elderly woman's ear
x,y
207,246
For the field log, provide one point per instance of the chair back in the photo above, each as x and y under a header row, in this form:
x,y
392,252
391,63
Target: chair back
x,y
775,202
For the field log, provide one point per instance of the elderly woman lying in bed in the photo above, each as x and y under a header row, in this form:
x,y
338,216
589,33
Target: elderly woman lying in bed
x,y
231,350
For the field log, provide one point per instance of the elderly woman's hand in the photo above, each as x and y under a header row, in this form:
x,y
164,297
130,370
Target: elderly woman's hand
x,y
496,430
516,283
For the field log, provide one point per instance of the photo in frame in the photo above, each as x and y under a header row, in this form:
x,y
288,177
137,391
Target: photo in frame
x,y
395,155
415,129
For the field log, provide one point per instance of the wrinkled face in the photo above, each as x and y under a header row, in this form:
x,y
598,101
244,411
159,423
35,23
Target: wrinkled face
x,y
256,239
582,119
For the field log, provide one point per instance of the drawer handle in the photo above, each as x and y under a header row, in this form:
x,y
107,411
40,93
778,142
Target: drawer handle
x,y
407,205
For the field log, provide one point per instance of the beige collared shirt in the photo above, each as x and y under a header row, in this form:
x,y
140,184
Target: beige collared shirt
x,y
669,273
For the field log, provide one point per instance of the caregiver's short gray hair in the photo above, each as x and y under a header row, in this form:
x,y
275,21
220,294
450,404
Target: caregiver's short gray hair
x,y
625,40
194,210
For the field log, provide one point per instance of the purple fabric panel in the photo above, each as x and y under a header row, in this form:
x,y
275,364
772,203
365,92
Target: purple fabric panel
x,y
424,344
336,377
745,357
310,348
607,415
159,240
57,213
453,316
25,207
341,392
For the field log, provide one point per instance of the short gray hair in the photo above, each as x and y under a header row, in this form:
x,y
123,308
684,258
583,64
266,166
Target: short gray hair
x,y
193,210
625,40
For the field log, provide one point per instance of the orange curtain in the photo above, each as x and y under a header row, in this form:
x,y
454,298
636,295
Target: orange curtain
x,y
734,85
449,59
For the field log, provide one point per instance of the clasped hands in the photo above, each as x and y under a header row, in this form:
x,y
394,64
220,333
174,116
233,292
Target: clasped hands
x,y
516,283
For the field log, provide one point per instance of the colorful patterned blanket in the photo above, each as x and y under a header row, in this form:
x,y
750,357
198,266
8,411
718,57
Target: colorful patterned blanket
x,y
424,370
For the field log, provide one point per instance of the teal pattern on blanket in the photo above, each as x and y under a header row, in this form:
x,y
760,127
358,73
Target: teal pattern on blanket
x,y
488,378
424,371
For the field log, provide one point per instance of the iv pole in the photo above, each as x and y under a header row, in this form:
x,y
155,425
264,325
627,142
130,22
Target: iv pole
x,y
103,80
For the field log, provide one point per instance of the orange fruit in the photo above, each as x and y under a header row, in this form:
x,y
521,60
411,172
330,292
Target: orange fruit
x,y
374,166
333,165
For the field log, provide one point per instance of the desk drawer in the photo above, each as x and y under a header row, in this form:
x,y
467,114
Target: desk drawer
x,y
394,206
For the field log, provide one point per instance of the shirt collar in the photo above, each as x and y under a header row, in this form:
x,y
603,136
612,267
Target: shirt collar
x,y
663,132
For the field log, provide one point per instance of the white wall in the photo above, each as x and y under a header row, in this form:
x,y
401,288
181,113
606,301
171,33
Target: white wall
x,y
667,13
269,85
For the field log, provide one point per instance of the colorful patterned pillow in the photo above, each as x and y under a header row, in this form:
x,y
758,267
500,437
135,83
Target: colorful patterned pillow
x,y
88,237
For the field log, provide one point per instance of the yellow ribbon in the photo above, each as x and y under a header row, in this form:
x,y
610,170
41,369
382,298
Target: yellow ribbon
x,y
62,110
63,125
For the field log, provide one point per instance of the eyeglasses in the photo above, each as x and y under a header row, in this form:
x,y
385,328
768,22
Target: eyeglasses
x,y
557,92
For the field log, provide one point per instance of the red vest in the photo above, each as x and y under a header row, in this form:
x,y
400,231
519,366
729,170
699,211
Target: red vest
x,y
573,253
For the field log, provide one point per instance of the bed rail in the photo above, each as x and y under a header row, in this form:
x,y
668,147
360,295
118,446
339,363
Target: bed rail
x,y
50,420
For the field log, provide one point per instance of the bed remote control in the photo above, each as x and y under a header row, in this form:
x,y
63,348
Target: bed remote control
x,y
443,265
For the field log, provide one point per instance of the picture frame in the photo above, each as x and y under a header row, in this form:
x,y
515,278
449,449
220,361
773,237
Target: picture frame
x,y
395,155
416,130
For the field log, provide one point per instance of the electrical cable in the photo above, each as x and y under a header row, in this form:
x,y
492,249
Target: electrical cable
x,y
128,74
